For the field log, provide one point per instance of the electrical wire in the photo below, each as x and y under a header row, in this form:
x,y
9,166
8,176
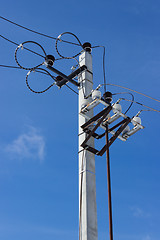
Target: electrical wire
x,y
36,70
15,67
42,34
144,110
47,73
110,84
71,89
141,105
43,91
131,102
104,72
21,46
18,45
60,40
6,66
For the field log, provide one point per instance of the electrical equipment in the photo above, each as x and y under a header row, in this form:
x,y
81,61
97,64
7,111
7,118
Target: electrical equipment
x,y
116,108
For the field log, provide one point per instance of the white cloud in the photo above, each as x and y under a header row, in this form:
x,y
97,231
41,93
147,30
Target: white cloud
x,y
27,145
138,212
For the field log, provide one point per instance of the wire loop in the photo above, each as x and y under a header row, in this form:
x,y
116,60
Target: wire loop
x,y
60,40
22,47
41,71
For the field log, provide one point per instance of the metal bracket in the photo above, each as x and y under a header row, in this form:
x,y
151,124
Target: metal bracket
x,y
114,137
91,133
100,117
68,78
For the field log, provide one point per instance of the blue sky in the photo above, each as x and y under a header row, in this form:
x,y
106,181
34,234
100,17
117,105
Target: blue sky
x,y
38,133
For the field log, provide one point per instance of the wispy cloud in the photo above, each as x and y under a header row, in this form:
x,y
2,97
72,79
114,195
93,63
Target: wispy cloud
x,y
138,212
147,237
30,144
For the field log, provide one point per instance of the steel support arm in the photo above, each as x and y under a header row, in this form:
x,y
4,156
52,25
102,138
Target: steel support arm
x,y
66,78
113,138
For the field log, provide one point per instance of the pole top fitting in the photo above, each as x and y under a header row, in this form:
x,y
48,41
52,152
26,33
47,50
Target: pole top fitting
x,y
87,47
50,59
107,96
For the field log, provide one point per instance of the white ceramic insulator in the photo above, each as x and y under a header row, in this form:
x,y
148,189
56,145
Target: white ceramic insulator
x,y
117,108
96,94
136,120
126,130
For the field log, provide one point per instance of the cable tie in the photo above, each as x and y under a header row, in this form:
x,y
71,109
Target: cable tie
x,y
59,38
20,46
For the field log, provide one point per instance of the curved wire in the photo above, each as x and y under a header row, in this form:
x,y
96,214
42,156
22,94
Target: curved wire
x,y
18,45
141,105
110,84
36,70
59,39
42,34
104,72
146,110
21,46
131,102
41,69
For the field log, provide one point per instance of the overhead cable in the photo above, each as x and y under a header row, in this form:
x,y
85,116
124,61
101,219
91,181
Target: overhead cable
x,y
104,72
60,40
18,45
39,71
43,91
131,102
111,84
141,104
33,31
21,46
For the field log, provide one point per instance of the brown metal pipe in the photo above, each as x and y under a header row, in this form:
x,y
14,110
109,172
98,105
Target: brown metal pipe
x,y
109,187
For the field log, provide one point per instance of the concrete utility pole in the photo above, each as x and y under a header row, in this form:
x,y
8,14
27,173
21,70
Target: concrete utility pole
x,y
87,181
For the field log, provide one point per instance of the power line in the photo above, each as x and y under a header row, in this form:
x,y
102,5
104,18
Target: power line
x,y
18,45
39,71
141,104
6,66
71,89
33,31
43,91
59,40
110,84
15,67
22,46
104,71
131,102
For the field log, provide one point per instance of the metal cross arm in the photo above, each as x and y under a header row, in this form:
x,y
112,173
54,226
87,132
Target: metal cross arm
x,y
96,117
72,75
65,78
91,133
101,116
114,137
